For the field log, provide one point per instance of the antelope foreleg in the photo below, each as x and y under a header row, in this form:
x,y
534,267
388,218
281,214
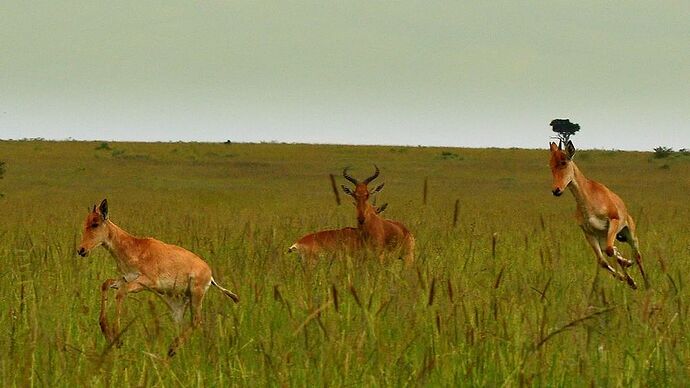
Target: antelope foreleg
x,y
624,263
137,285
614,223
103,317
594,243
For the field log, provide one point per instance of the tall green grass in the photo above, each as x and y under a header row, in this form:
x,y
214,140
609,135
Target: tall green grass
x,y
512,295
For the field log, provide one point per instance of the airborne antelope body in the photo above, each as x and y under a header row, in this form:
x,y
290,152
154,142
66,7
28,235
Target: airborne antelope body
x,y
379,234
601,213
177,275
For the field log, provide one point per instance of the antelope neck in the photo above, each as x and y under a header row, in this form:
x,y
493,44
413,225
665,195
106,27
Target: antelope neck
x,y
120,243
578,186
370,213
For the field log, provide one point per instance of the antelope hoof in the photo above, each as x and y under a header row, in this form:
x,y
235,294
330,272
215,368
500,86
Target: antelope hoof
x,y
171,352
609,251
632,284
107,285
625,262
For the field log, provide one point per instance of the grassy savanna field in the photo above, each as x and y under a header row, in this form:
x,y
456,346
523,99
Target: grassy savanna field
x,y
533,308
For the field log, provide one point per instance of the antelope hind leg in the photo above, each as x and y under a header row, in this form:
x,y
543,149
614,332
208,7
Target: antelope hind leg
x,y
197,292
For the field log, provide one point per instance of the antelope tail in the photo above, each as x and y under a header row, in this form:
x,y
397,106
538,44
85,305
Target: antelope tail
x,y
292,248
227,293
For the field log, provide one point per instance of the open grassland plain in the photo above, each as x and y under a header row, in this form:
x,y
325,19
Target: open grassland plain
x,y
511,295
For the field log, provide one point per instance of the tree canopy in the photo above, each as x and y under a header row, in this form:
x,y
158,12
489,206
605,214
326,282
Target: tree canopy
x,y
564,128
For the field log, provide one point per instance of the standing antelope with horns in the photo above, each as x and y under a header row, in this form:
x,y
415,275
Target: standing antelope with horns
x,y
601,214
177,275
380,235
346,241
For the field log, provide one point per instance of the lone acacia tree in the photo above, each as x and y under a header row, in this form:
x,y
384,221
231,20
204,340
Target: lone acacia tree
x,y
564,128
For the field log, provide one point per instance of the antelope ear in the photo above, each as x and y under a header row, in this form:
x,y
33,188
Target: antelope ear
x,y
570,149
380,209
347,191
103,209
378,188
553,146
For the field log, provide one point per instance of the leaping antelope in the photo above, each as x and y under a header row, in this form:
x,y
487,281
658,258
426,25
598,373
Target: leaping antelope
x,y
379,234
601,213
177,275
330,242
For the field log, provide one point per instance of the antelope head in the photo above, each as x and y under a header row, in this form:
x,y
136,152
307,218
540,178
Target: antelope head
x,y
561,164
361,193
95,231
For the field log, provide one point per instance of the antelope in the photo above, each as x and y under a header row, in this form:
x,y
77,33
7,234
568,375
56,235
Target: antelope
x,y
332,241
379,234
601,213
177,275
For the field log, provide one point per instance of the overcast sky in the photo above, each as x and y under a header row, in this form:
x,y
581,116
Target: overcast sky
x,y
463,73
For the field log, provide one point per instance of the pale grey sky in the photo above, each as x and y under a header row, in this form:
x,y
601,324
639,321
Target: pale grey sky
x,y
474,73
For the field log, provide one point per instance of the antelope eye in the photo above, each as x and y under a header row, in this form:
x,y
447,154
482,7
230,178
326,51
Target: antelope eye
x,y
94,225
562,163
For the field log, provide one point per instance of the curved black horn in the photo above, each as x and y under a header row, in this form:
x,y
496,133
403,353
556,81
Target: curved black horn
x,y
371,178
349,178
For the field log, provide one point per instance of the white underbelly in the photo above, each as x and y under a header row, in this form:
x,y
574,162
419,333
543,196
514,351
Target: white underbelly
x,y
595,224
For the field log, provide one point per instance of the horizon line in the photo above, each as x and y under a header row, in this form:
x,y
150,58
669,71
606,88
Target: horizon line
x,y
282,142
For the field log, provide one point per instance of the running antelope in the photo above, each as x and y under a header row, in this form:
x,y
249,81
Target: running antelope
x,y
330,242
601,214
177,275
379,234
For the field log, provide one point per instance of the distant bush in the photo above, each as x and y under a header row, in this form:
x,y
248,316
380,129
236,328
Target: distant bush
x,y
662,152
450,155
103,146
117,153
684,151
